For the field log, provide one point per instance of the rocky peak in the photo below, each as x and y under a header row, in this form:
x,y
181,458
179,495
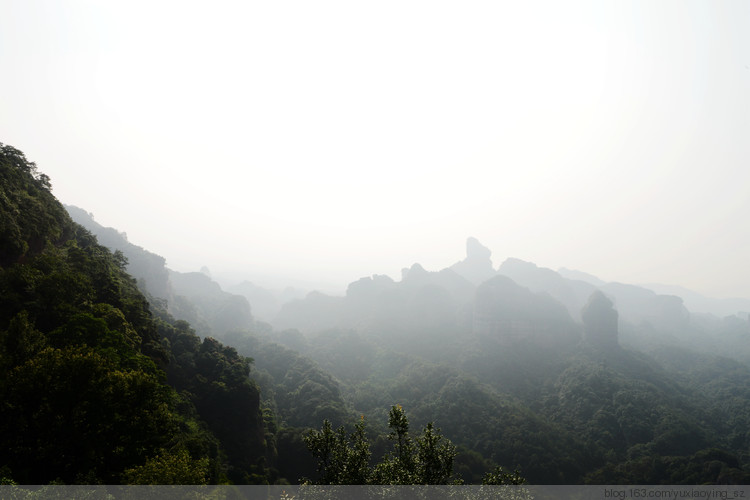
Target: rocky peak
x,y
477,266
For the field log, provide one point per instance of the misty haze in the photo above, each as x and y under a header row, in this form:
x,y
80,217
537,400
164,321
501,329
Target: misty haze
x,y
338,244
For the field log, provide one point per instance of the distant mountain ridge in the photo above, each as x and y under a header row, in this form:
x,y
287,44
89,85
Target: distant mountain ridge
x,y
699,303
193,297
694,301
635,304
570,287
382,306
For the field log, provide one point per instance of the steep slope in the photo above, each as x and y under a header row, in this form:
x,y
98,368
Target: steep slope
x,y
148,268
83,397
192,297
201,301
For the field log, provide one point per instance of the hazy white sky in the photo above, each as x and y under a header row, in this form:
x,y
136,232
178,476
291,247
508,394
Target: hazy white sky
x,y
334,140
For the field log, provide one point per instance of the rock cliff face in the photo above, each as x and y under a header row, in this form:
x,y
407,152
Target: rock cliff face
x,y
600,322
572,294
508,312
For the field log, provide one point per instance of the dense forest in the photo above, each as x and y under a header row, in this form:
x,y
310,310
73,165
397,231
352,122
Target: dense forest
x,y
116,369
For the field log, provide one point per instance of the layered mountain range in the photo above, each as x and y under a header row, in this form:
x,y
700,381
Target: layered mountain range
x,y
115,368
582,359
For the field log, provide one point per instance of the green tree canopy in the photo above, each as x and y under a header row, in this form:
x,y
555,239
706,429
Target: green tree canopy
x,y
345,458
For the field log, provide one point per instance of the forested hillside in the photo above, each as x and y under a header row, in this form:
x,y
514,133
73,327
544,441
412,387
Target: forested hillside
x,y
116,369
95,387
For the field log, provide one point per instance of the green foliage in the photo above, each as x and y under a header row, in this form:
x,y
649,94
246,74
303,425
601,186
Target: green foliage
x,y
214,377
499,476
77,412
294,460
435,457
30,217
303,394
494,426
78,365
708,466
344,458
169,468
148,268
20,341
86,370
83,396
